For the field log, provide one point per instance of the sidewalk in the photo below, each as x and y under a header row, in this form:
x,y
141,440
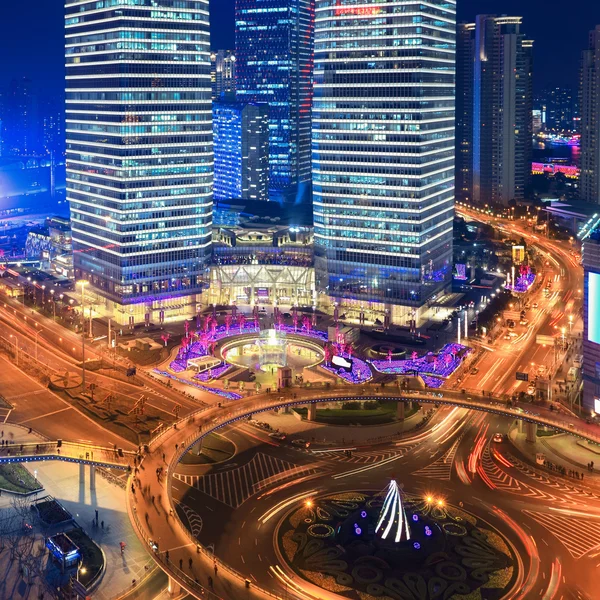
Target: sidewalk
x,y
70,485
563,450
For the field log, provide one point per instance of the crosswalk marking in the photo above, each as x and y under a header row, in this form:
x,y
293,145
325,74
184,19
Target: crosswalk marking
x,y
578,536
442,467
235,486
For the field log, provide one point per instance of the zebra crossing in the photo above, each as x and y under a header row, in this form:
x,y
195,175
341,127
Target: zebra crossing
x,y
579,537
234,486
442,467
551,481
358,458
193,518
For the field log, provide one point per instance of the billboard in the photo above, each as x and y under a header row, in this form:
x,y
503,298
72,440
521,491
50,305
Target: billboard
x,y
593,312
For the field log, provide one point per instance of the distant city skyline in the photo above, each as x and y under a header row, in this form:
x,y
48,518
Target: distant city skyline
x,y
34,47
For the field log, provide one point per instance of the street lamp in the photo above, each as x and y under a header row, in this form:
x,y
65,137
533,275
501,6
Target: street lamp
x,y
82,283
53,305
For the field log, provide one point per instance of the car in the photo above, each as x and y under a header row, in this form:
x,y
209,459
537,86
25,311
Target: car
x,y
511,324
513,334
523,322
535,305
507,336
379,330
299,442
474,371
287,315
497,438
277,436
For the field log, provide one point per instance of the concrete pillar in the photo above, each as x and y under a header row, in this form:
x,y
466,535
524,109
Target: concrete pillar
x,y
92,477
520,426
400,411
532,433
197,448
174,588
312,412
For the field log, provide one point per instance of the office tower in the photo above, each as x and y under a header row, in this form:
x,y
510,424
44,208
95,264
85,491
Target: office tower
x,y
139,153
590,236
561,109
241,145
20,119
222,75
383,152
274,64
589,184
494,68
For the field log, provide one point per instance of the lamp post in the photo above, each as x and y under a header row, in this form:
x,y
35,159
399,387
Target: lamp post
x,y
53,305
82,283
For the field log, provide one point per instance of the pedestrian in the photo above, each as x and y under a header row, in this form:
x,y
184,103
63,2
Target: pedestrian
x,y
167,555
190,562
181,563
152,499
216,569
96,516
102,524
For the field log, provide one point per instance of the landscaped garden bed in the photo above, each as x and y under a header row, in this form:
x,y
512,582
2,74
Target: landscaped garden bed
x,y
91,555
51,511
16,478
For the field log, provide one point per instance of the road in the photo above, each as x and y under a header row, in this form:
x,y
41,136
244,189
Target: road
x,y
150,498
500,363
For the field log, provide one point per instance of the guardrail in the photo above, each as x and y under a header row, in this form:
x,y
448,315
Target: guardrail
x,y
215,421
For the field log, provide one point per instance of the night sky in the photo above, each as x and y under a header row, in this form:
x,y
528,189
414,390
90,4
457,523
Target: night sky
x,y
31,36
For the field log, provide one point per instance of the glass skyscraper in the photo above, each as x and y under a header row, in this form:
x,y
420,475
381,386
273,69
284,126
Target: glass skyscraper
x,y
383,151
241,143
139,149
274,62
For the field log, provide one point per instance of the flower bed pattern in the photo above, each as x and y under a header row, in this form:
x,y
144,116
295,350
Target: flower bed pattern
x,y
361,372
433,368
213,373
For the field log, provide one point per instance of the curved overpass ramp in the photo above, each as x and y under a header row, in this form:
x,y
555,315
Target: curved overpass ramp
x,y
158,525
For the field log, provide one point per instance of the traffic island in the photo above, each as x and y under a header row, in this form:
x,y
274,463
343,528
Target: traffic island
x,y
389,544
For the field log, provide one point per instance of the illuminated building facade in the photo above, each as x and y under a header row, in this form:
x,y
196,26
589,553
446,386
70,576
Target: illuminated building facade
x,y
383,152
222,75
589,184
495,102
139,153
274,62
590,236
241,147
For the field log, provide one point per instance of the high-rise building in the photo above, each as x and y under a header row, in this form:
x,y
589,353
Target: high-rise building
x,y
494,121
241,145
20,119
589,183
383,152
139,153
274,65
561,109
222,75
590,236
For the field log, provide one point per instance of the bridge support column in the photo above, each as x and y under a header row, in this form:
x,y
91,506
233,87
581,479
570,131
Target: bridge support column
x,y
92,477
312,412
400,411
174,588
531,433
197,448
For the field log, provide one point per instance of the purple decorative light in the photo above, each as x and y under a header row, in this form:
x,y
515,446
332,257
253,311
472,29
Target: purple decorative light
x,y
415,518
428,531
431,367
204,388
417,546
358,530
361,372
213,373
363,514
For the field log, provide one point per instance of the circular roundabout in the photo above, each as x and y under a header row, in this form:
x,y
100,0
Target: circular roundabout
x,y
389,545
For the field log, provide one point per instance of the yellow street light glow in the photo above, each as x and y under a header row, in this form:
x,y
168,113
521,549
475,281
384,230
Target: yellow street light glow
x,y
429,499
440,502
309,503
